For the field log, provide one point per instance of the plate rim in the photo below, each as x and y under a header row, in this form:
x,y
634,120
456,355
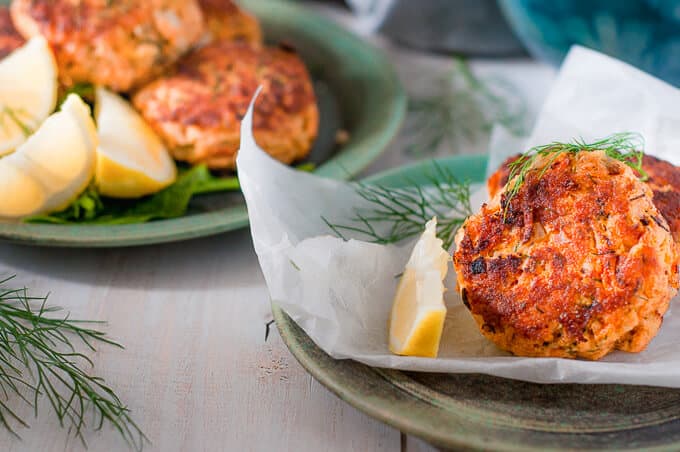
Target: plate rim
x,y
345,164
284,325
381,408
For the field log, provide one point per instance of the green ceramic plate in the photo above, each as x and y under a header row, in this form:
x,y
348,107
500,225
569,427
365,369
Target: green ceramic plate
x,y
357,89
483,412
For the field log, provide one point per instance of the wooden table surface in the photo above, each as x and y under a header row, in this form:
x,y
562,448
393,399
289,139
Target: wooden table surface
x,y
197,372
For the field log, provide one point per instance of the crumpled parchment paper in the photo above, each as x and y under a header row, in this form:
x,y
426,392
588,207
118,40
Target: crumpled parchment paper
x,y
340,292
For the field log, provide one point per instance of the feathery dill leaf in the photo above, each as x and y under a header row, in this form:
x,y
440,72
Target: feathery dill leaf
x,y
38,358
626,147
403,212
462,109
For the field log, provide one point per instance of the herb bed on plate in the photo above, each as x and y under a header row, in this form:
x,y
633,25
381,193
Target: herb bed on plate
x,y
357,91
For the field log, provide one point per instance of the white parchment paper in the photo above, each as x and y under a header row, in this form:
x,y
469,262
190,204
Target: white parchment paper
x,y
340,292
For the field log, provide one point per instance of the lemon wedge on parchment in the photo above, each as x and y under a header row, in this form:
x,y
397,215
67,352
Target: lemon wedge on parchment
x,y
418,310
28,92
131,159
53,166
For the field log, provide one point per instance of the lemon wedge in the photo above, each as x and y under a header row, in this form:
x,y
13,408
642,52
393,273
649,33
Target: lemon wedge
x,y
131,159
418,310
28,92
53,166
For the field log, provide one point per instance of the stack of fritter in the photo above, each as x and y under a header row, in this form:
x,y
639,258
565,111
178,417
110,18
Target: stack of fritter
x,y
191,67
578,262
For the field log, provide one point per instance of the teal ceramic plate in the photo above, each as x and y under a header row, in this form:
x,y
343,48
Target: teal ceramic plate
x,y
482,412
357,89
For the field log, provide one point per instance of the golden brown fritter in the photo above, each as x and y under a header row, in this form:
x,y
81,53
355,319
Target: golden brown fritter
x,y
120,44
198,110
574,267
497,180
10,39
664,180
225,21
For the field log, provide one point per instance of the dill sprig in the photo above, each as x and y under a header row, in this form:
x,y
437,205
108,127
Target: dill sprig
x,y
403,212
462,109
626,147
38,358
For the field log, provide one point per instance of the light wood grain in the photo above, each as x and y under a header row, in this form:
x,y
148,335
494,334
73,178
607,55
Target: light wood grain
x,y
197,372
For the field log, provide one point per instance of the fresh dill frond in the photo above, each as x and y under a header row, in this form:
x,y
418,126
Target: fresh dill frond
x,y
402,212
85,91
462,108
626,147
38,358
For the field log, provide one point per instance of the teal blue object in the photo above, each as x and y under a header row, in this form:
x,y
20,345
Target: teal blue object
x,y
644,33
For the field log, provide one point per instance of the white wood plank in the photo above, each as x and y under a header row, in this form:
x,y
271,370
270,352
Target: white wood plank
x,y
196,372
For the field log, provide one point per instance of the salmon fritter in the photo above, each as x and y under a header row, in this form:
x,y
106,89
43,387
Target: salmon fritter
x,y
499,178
663,179
226,21
577,263
10,39
120,44
198,109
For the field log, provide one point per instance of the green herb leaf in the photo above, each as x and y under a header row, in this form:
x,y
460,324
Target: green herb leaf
x,y
626,147
38,356
217,184
403,212
85,91
463,108
307,167
173,201
168,203
85,208
91,208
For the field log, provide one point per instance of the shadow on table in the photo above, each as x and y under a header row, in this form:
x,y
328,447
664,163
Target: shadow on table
x,y
226,260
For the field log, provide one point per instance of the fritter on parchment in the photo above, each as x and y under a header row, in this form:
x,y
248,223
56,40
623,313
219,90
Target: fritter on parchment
x,y
664,180
577,263
198,109
499,178
10,39
226,21
120,44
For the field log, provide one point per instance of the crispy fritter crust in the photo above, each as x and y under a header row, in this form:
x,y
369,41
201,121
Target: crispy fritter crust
x,y
10,39
227,22
579,264
664,180
198,110
120,44
497,180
